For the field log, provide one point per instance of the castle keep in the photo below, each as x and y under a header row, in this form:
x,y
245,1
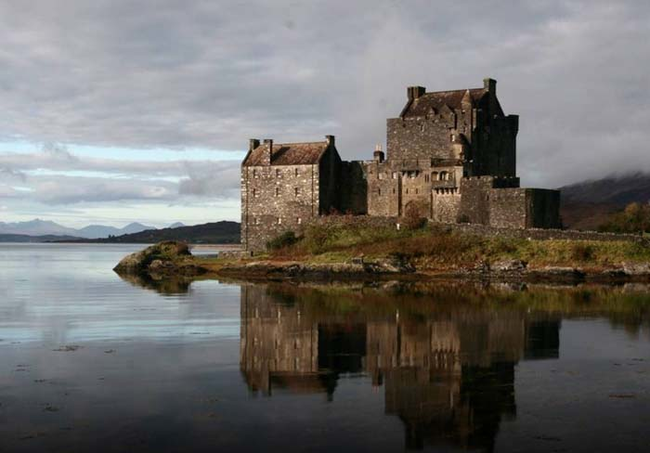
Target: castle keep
x,y
451,157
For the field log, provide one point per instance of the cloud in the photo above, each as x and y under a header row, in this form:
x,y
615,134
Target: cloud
x,y
57,176
177,74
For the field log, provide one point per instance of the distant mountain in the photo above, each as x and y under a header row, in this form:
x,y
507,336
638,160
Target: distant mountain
x,y
102,231
39,227
224,232
36,227
586,205
177,225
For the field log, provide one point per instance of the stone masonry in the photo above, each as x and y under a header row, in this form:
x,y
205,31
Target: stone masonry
x,y
451,157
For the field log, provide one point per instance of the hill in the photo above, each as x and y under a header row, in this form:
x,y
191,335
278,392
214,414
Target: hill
x,y
38,227
224,232
589,204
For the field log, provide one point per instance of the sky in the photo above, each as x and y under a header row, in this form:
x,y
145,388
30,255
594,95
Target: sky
x,y
114,111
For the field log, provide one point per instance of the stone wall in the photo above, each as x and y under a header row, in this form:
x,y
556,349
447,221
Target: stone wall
x,y
544,206
507,208
353,188
474,206
276,198
445,206
545,234
423,138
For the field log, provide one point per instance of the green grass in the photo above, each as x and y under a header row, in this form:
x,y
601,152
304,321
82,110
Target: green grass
x,y
440,248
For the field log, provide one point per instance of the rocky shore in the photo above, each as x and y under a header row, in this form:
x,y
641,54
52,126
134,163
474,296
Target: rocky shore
x,y
173,259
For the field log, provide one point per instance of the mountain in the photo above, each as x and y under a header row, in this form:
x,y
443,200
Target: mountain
x,y
38,227
586,205
177,225
102,231
224,232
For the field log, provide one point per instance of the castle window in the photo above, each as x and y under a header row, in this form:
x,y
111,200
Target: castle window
x,y
278,173
254,192
452,138
393,190
254,173
434,176
277,191
426,178
296,171
299,220
407,191
422,127
297,190
256,221
279,220
417,191
444,176
380,175
394,175
378,191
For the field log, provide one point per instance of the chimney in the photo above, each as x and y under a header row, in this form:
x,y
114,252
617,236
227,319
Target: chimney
x,y
253,143
378,154
413,93
330,140
267,158
490,85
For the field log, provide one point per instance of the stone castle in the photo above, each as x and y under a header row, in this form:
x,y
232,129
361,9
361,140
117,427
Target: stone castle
x,y
451,157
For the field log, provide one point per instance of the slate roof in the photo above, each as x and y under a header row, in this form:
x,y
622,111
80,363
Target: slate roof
x,y
437,100
288,154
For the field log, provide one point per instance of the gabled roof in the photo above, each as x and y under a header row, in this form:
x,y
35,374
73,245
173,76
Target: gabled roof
x,y
436,101
288,153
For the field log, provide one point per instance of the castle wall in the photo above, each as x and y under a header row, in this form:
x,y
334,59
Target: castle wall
x,y
328,168
427,137
275,199
353,188
474,206
544,208
445,206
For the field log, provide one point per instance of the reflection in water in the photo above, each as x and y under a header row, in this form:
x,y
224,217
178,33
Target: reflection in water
x,y
89,362
448,376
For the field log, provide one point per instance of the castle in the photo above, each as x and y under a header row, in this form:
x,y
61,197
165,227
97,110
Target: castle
x,y
450,157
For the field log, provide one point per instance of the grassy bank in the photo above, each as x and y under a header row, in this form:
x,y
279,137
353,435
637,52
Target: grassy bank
x,y
437,248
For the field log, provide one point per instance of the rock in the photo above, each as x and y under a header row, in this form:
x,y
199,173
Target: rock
x,y
509,266
636,269
557,272
160,258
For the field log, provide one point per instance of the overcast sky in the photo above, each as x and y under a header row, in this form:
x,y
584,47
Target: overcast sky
x,y
115,111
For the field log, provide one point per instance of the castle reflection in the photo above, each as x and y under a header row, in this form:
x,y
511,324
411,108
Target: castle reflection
x,y
448,374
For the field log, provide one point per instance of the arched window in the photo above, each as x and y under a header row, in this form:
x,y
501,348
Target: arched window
x,y
444,176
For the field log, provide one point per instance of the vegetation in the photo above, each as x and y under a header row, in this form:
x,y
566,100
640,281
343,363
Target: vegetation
x,y
440,248
286,239
635,219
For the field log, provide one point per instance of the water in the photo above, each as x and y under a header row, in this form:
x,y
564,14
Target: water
x,y
92,362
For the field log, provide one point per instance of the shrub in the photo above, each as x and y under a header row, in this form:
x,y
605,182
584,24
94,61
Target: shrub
x,y
286,239
415,216
582,252
635,218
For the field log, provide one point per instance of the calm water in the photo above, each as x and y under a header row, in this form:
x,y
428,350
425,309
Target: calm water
x,y
91,362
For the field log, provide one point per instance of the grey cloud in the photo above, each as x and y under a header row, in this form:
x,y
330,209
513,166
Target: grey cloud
x,y
179,74
118,180
7,173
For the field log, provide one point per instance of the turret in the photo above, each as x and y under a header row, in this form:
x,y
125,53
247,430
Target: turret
x,y
378,154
